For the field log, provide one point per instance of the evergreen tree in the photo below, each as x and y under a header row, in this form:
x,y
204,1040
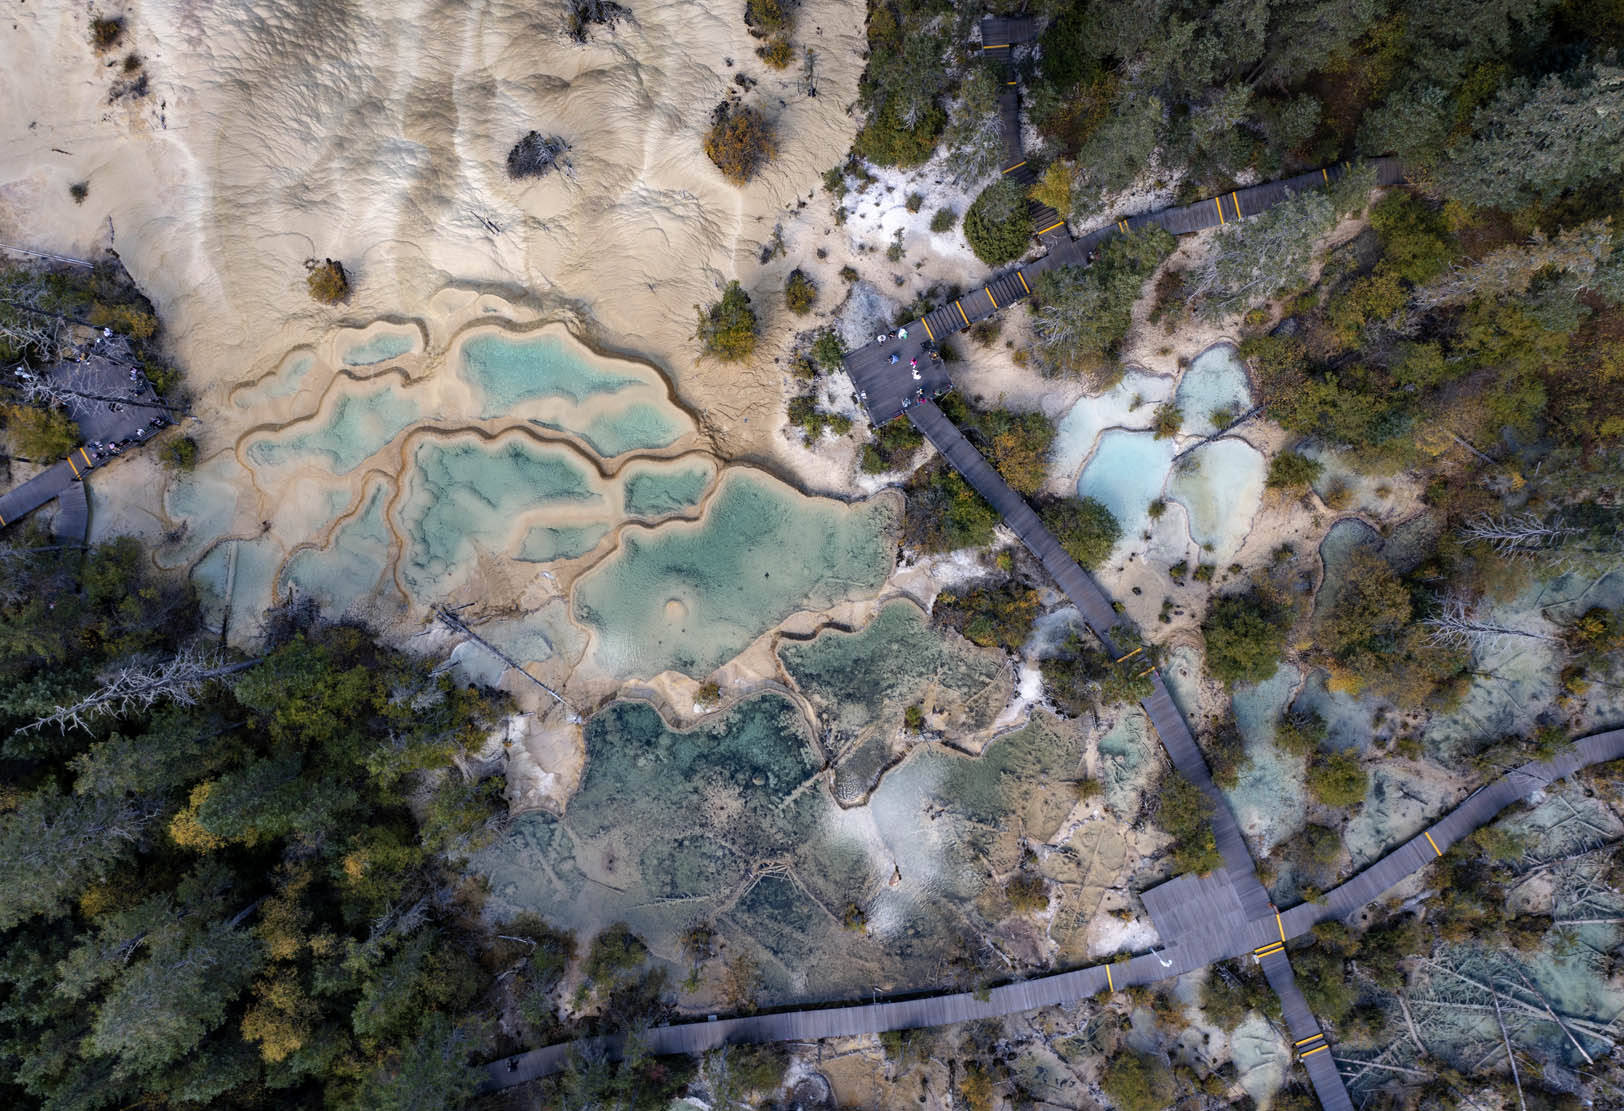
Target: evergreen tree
x,y
1535,142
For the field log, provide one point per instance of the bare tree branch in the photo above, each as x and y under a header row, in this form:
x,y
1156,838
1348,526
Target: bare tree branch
x,y
139,685
1455,625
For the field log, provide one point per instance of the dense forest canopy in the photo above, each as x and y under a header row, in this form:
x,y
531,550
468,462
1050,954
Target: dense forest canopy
x,y
225,879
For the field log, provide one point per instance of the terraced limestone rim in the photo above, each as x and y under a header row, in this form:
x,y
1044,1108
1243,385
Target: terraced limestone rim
x,y
1068,987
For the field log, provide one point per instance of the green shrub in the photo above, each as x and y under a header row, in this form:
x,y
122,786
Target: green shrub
x,y
886,141
1337,779
915,202
800,293
1138,1082
327,281
106,32
129,320
1245,635
813,422
1231,992
994,616
768,16
894,445
1185,813
1300,734
40,434
757,1068
996,226
179,452
913,718
79,190
1293,471
1079,675
827,351
727,329
1016,443
776,52
613,953
1027,892
943,513
943,220
1080,315
740,141
1168,421
1084,527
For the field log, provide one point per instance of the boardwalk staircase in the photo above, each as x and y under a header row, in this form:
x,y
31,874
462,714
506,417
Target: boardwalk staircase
x,y
999,37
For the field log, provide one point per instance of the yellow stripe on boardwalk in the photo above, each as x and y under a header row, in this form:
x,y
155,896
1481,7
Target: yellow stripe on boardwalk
x,y
1234,199
960,306
1145,672
928,332
1019,164
2,520
86,458
1430,841
1326,174
988,291
1305,1041
1108,981
1024,286
1132,654
1051,227
1268,950
75,467
1281,926
1311,1052
995,46
1009,82
1220,203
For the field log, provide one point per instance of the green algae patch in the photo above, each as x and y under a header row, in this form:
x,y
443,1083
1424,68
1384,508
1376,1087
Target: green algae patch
x,y
862,682
728,824
380,348
638,426
667,824
690,596
285,381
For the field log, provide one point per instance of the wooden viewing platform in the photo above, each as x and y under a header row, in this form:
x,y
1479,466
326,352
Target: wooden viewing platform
x,y
101,400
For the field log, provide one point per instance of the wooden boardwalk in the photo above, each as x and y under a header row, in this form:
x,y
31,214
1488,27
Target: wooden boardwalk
x,y
1062,988
886,389
109,406
54,481
1199,919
